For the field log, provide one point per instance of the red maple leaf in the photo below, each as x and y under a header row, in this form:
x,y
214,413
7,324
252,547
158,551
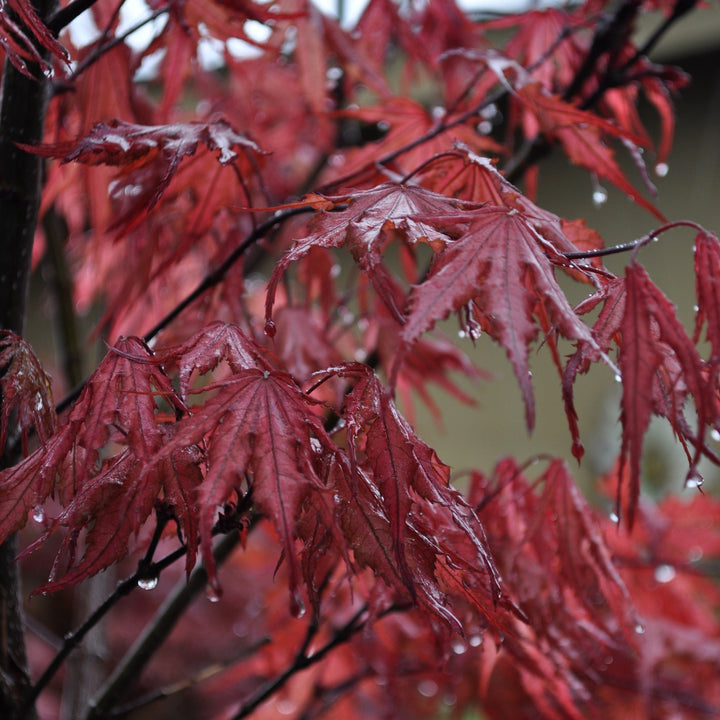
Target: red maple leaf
x,y
25,390
130,146
504,265
660,369
581,134
119,404
258,430
707,279
18,39
364,228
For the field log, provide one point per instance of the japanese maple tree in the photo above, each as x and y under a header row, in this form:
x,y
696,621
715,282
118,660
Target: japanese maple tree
x,y
268,244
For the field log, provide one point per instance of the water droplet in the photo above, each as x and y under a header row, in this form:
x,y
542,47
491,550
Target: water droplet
x,y
38,514
147,583
462,334
696,308
664,573
614,518
599,196
213,593
270,329
475,640
618,377
639,628
694,479
297,606
285,706
334,73
695,554
661,169
715,434
428,688
458,646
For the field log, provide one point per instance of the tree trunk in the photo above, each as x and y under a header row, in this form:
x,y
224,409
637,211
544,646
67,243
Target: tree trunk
x,y
23,103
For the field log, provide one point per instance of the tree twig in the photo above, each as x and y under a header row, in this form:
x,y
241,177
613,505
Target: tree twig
x,y
155,633
302,661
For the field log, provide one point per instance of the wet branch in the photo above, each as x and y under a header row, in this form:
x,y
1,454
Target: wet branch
x,y
156,632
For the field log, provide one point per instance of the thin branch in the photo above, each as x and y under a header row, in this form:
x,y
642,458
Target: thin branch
x,y
634,245
209,281
64,16
302,661
199,677
129,668
614,77
73,639
100,49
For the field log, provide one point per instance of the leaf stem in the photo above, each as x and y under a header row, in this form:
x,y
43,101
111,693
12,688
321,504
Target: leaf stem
x,y
634,245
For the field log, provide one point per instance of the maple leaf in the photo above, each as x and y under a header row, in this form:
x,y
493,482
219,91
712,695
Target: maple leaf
x,y
660,366
130,146
707,280
25,389
363,228
581,134
547,43
504,265
119,403
257,429
435,536
577,605
206,349
18,39
113,506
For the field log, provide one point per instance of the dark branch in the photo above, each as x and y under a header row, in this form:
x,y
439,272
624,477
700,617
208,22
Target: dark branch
x,y
155,633
634,245
208,282
64,16
302,661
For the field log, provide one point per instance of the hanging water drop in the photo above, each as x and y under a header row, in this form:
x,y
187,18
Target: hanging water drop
x,y
664,573
715,434
661,169
285,706
212,594
458,646
618,377
149,583
38,514
428,688
639,628
599,196
270,329
297,606
475,640
614,518
694,480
